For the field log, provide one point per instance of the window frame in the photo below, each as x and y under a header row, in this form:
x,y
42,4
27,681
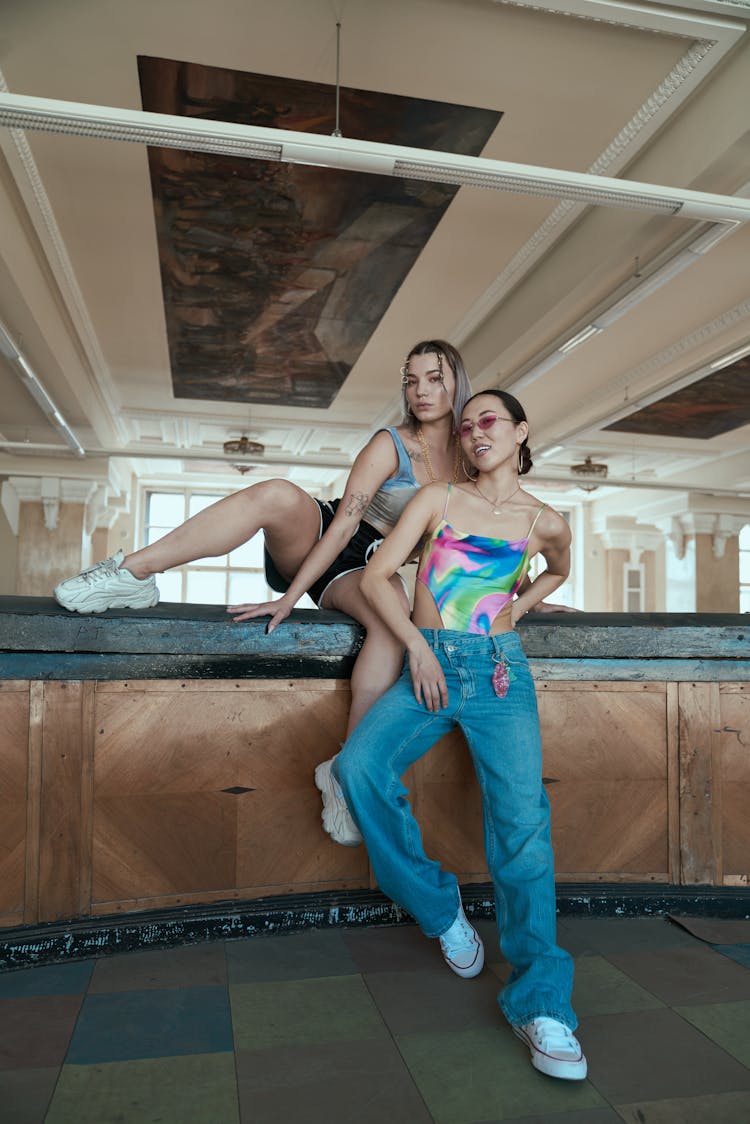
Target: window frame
x,y
226,568
744,586
627,589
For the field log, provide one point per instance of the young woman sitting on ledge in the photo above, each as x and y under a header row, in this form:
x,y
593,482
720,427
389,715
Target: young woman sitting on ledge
x,y
315,546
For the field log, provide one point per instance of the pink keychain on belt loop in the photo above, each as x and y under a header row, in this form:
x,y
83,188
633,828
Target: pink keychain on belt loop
x,y
501,677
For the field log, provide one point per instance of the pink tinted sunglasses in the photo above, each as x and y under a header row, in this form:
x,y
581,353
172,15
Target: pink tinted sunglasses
x,y
485,422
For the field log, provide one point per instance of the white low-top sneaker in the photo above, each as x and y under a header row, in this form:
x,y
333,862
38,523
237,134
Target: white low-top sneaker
x,y
107,586
336,817
462,947
555,1050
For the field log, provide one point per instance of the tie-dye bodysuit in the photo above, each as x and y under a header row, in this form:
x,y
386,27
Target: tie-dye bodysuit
x,y
472,577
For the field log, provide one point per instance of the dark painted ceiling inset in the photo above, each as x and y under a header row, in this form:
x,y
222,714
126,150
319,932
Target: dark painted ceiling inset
x,y
713,405
275,276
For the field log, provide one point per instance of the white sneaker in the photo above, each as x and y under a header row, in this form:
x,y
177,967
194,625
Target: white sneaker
x,y
107,586
336,817
462,947
555,1050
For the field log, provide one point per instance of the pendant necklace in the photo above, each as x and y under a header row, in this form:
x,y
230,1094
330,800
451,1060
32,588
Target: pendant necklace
x,y
497,508
428,463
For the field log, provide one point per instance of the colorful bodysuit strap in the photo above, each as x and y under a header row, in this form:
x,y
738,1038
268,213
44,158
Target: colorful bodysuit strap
x,y
472,577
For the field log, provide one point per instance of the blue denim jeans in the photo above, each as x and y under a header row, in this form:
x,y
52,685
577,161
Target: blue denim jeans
x,y
505,744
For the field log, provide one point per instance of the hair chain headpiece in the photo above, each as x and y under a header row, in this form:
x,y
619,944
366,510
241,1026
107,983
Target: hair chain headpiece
x,y
405,364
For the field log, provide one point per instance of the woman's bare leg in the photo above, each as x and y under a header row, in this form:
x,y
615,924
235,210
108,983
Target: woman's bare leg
x,y
289,517
380,659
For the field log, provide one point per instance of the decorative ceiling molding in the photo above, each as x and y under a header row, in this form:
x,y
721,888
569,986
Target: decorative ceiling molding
x,y
658,107
650,366
681,347
666,18
43,219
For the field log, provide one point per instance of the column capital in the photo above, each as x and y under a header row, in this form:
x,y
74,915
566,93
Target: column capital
x,y
624,532
721,528
51,491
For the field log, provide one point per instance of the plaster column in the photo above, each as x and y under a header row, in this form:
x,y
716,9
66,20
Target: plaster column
x,y
51,535
717,564
628,543
702,557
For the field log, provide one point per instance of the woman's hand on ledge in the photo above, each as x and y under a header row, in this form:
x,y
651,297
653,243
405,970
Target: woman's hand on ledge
x,y
552,607
278,611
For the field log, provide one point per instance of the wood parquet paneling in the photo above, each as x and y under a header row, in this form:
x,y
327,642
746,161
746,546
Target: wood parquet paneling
x,y
202,789
606,766
14,742
734,703
118,796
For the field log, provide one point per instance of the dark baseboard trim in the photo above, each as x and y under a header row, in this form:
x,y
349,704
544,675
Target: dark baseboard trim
x,y
59,942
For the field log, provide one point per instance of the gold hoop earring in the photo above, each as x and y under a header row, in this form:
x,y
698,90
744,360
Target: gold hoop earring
x,y
467,474
520,460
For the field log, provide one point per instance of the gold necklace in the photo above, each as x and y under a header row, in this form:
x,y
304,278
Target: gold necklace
x,y
428,463
496,507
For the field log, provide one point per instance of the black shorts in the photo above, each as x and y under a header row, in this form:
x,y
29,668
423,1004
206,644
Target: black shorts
x,y
355,555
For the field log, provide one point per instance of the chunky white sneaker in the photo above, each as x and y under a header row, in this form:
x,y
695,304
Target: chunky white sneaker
x,y
555,1050
107,586
336,817
462,947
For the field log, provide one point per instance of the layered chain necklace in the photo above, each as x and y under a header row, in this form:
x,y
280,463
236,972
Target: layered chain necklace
x,y
498,505
428,463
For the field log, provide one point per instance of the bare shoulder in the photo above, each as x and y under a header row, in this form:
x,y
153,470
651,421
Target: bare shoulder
x,y
550,526
381,440
432,496
381,450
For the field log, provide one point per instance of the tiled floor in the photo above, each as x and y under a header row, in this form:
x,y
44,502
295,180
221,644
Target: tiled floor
x,y
368,1025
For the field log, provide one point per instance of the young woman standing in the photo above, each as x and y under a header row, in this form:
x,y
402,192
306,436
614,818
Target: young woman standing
x,y
465,667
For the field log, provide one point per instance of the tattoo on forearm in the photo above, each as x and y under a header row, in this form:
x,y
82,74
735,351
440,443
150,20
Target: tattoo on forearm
x,y
357,503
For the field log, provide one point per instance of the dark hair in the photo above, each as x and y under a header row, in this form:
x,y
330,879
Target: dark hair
x,y
446,351
517,412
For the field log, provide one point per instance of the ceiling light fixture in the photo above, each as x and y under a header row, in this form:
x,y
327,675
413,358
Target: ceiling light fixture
x,y
38,392
195,134
580,337
590,470
243,447
731,358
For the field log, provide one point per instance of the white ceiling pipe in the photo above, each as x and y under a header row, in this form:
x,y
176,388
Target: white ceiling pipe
x,y
195,134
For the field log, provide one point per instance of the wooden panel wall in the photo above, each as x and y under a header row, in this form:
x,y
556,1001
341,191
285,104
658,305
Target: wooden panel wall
x,y
606,760
123,796
734,750
14,776
204,792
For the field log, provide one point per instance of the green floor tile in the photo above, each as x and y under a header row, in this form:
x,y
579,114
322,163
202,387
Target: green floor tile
x,y
481,1075
320,1010
727,1024
25,1094
602,989
718,1108
202,965
310,954
195,1089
